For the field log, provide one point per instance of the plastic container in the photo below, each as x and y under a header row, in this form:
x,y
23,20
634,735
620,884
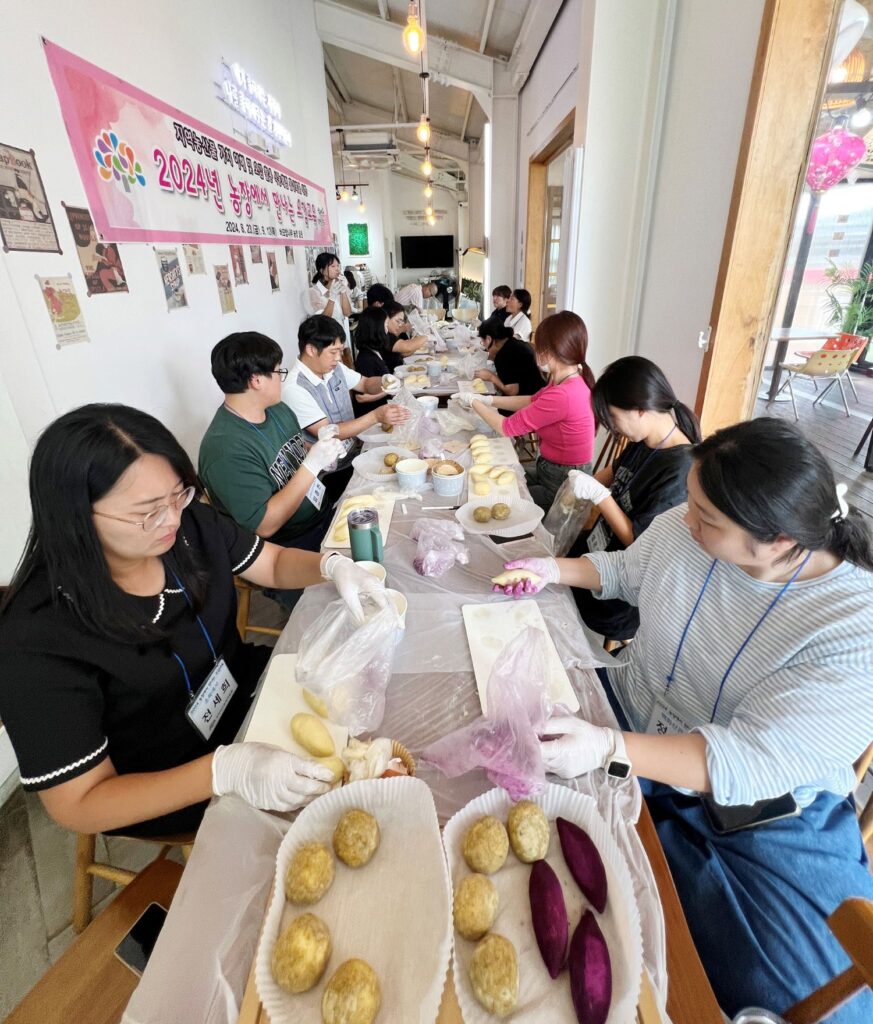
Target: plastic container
x,y
430,403
400,603
434,371
411,473
448,486
374,569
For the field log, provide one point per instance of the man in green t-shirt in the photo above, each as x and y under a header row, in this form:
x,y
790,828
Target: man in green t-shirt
x,y
254,461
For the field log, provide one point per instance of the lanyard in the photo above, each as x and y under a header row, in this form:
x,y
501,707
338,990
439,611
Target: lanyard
x,y
203,630
619,489
255,427
672,673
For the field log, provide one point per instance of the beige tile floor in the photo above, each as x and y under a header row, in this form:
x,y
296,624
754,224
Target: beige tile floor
x,y
36,873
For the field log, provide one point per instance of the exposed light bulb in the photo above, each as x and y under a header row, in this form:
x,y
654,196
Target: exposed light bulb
x,y
413,34
428,212
838,75
361,207
861,118
422,133
426,167
431,220
344,195
428,190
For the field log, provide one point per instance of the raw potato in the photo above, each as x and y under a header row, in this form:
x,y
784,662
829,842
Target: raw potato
x,y
312,735
506,479
356,838
352,996
475,906
500,510
482,487
528,827
316,703
494,974
301,954
310,873
482,514
486,845
391,460
387,428
336,765
509,578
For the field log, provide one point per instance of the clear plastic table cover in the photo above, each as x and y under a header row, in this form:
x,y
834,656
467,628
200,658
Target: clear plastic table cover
x,y
200,966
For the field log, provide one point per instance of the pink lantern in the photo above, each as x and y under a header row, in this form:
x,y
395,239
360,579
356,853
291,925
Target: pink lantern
x,y
834,154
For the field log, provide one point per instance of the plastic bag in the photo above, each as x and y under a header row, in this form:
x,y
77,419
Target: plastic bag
x,y
325,433
506,742
565,519
440,545
348,664
407,432
455,419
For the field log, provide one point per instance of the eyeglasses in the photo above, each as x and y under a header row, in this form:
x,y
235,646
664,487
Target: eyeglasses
x,y
159,516
282,371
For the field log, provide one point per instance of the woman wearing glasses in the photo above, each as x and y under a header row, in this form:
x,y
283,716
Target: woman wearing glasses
x,y
124,680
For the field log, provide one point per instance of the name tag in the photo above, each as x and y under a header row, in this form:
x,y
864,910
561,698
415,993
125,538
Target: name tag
x,y
316,492
209,703
665,720
598,539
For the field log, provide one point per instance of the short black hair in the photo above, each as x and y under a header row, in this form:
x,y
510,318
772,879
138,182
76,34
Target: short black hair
x,y
392,308
379,293
503,290
320,331
240,356
524,297
495,329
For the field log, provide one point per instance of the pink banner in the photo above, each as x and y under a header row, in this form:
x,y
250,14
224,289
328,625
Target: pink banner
x,y
153,174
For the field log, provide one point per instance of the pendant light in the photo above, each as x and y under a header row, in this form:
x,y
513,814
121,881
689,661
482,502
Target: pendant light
x,y
426,166
428,190
413,34
422,133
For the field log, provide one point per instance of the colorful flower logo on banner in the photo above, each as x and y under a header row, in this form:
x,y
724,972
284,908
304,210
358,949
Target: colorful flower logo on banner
x,y
115,159
834,154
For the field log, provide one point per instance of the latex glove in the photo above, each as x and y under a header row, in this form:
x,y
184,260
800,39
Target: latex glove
x,y
392,414
484,399
267,777
546,568
352,582
581,747
323,454
587,488
390,383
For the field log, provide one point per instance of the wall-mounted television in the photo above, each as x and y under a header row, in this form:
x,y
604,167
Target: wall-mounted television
x,y
427,251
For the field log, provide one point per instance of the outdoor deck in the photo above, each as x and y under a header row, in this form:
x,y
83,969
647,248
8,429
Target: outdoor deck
x,y
835,434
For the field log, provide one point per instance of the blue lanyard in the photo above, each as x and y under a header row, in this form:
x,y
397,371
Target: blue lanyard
x,y
254,426
203,630
619,490
672,673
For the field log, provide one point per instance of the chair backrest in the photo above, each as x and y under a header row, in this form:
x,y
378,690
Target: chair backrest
x,y
826,362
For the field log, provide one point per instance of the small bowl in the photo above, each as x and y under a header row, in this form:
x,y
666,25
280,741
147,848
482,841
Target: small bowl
x,y
448,486
429,403
411,473
400,603
374,569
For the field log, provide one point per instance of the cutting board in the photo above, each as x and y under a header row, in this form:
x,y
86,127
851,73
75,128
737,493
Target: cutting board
x,y
384,506
490,627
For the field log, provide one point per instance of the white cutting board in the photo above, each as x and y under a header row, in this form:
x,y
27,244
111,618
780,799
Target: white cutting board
x,y
279,700
490,627
384,506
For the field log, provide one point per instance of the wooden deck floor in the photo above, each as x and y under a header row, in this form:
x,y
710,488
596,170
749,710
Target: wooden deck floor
x,y
833,432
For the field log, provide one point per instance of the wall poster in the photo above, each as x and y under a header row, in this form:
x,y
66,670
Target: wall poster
x,y
194,259
273,270
101,262
153,174
238,262
359,240
225,289
255,252
171,278
289,254
26,223
63,309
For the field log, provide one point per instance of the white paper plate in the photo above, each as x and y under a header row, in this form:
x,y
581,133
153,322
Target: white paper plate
x,y
539,997
395,912
525,515
370,462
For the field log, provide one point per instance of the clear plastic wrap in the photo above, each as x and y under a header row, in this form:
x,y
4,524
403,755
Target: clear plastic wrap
x,y
408,432
566,518
440,546
454,420
505,743
348,664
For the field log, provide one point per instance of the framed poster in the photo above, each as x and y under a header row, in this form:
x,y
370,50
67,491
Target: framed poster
x,y
26,223
101,261
359,240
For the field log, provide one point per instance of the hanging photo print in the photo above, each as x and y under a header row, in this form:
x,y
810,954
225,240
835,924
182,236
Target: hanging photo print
x,y
256,254
194,259
101,262
289,254
63,309
359,240
273,270
225,289
238,262
171,278
26,223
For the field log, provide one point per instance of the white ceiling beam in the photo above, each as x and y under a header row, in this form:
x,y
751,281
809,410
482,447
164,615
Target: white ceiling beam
x,y
372,114
486,28
380,40
332,70
538,20
401,97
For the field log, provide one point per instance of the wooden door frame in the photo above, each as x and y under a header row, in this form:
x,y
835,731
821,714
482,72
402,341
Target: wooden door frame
x,y
534,237
784,102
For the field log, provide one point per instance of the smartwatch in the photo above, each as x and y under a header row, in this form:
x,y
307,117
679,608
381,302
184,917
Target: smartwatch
x,y
617,765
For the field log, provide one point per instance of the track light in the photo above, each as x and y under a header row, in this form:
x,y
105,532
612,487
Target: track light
x,y
422,133
428,190
344,195
413,34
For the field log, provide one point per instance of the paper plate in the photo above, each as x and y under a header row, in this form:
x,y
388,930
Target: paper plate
x,y
370,462
525,515
395,912
539,997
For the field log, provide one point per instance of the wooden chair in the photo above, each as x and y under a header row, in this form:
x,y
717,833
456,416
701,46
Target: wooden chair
x,y
527,446
825,364
243,602
87,869
852,925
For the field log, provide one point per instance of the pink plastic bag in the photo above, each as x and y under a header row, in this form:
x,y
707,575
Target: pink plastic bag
x,y
440,545
505,743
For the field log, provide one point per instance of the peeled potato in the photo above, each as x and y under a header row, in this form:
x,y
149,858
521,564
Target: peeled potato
x,y
494,974
356,837
391,460
482,487
301,954
506,479
311,734
352,996
310,873
336,765
475,906
316,703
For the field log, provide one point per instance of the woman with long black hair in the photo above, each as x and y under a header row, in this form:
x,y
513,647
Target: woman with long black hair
x,y
124,679
372,345
329,292
744,701
632,398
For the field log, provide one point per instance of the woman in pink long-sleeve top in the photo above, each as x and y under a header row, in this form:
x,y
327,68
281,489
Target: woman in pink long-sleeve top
x,y
561,413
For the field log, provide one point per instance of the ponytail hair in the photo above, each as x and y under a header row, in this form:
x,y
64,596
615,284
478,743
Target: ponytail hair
x,y
322,261
635,382
565,336
773,482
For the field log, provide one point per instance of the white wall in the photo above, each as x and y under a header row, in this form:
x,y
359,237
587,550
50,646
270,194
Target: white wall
x,y
347,213
140,354
406,202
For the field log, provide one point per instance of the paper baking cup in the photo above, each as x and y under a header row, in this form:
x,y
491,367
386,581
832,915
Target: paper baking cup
x,y
399,751
539,997
372,911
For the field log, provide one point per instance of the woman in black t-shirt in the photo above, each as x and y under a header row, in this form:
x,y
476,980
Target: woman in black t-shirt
x,y
124,680
633,399
373,346
515,363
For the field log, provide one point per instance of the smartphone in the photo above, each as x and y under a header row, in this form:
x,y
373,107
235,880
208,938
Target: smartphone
x,y
726,819
136,947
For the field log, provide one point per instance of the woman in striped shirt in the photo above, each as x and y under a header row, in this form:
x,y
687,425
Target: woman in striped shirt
x,y
749,680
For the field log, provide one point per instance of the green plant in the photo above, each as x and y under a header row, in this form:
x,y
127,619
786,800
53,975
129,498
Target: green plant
x,y
472,289
850,298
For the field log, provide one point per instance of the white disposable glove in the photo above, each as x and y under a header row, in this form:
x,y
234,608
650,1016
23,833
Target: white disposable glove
x,y
267,777
587,488
545,568
353,582
467,398
580,747
323,454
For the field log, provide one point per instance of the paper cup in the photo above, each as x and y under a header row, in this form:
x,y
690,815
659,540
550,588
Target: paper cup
x,y
448,486
411,473
374,569
400,603
430,403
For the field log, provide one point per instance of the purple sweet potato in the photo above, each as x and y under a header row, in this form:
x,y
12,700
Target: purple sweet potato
x,y
590,972
549,915
584,863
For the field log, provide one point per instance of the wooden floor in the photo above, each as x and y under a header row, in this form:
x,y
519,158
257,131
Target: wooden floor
x,y
836,434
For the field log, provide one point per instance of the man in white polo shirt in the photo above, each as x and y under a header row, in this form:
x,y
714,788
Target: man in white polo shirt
x,y
318,391
414,294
